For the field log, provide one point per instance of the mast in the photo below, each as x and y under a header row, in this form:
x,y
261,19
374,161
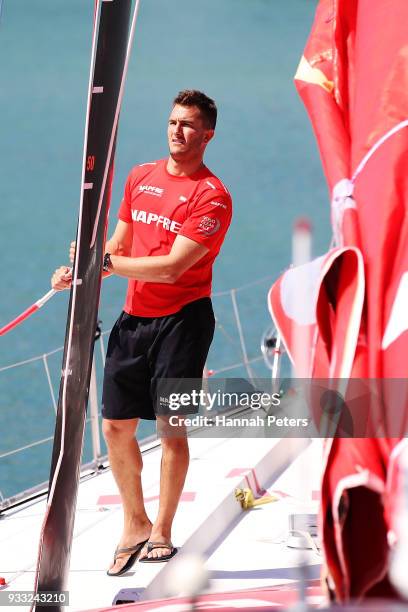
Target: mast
x,y
110,56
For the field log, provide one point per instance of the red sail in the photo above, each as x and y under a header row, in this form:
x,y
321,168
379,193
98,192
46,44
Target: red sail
x,y
353,79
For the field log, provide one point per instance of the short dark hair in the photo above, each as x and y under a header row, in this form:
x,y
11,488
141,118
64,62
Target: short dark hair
x,y
193,97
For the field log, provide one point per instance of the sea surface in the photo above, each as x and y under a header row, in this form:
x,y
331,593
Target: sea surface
x,y
243,53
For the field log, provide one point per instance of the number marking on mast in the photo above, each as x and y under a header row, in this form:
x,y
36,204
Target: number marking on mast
x,y
90,162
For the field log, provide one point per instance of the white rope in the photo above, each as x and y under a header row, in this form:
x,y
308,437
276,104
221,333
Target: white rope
x,y
21,363
17,450
102,347
225,333
37,443
236,365
378,144
26,361
47,371
241,333
250,284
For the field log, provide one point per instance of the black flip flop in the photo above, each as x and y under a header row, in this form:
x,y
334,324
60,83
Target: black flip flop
x,y
152,545
133,551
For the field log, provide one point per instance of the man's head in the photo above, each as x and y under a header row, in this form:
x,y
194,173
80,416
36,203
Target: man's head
x,y
206,106
191,125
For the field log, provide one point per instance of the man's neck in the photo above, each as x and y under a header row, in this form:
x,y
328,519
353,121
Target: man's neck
x,y
184,168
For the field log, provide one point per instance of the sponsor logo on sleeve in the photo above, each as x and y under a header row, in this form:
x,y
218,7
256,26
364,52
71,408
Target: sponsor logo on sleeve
x,y
221,204
209,225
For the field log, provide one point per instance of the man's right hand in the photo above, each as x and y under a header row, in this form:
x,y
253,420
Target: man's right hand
x,y
61,279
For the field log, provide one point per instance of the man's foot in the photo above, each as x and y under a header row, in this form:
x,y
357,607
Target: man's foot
x,y
157,552
131,552
128,550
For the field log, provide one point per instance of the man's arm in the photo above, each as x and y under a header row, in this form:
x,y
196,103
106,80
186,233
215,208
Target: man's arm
x,y
120,243
160,268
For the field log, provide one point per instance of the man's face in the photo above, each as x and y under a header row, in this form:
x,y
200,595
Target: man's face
x,y
187,134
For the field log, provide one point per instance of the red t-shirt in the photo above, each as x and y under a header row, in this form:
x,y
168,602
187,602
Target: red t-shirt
x,y
160,206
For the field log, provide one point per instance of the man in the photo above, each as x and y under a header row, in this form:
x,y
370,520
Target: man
x,y
172,221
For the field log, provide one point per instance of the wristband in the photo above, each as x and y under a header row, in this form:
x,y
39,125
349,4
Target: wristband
x,y
107,264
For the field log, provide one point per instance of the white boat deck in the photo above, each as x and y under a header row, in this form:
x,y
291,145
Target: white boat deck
x,y
243,549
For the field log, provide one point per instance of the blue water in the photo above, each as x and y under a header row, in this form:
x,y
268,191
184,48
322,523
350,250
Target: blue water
x,y
241,52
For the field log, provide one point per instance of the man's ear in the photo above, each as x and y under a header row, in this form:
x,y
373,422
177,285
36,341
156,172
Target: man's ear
x,y
209,135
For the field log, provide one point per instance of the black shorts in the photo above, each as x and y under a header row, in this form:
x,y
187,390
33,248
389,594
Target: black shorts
x,y
143,350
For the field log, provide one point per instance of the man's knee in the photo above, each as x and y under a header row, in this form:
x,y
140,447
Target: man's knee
x,y
118,431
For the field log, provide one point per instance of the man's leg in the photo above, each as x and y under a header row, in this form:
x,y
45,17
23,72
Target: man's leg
x,y
173,471
179,352
126,463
